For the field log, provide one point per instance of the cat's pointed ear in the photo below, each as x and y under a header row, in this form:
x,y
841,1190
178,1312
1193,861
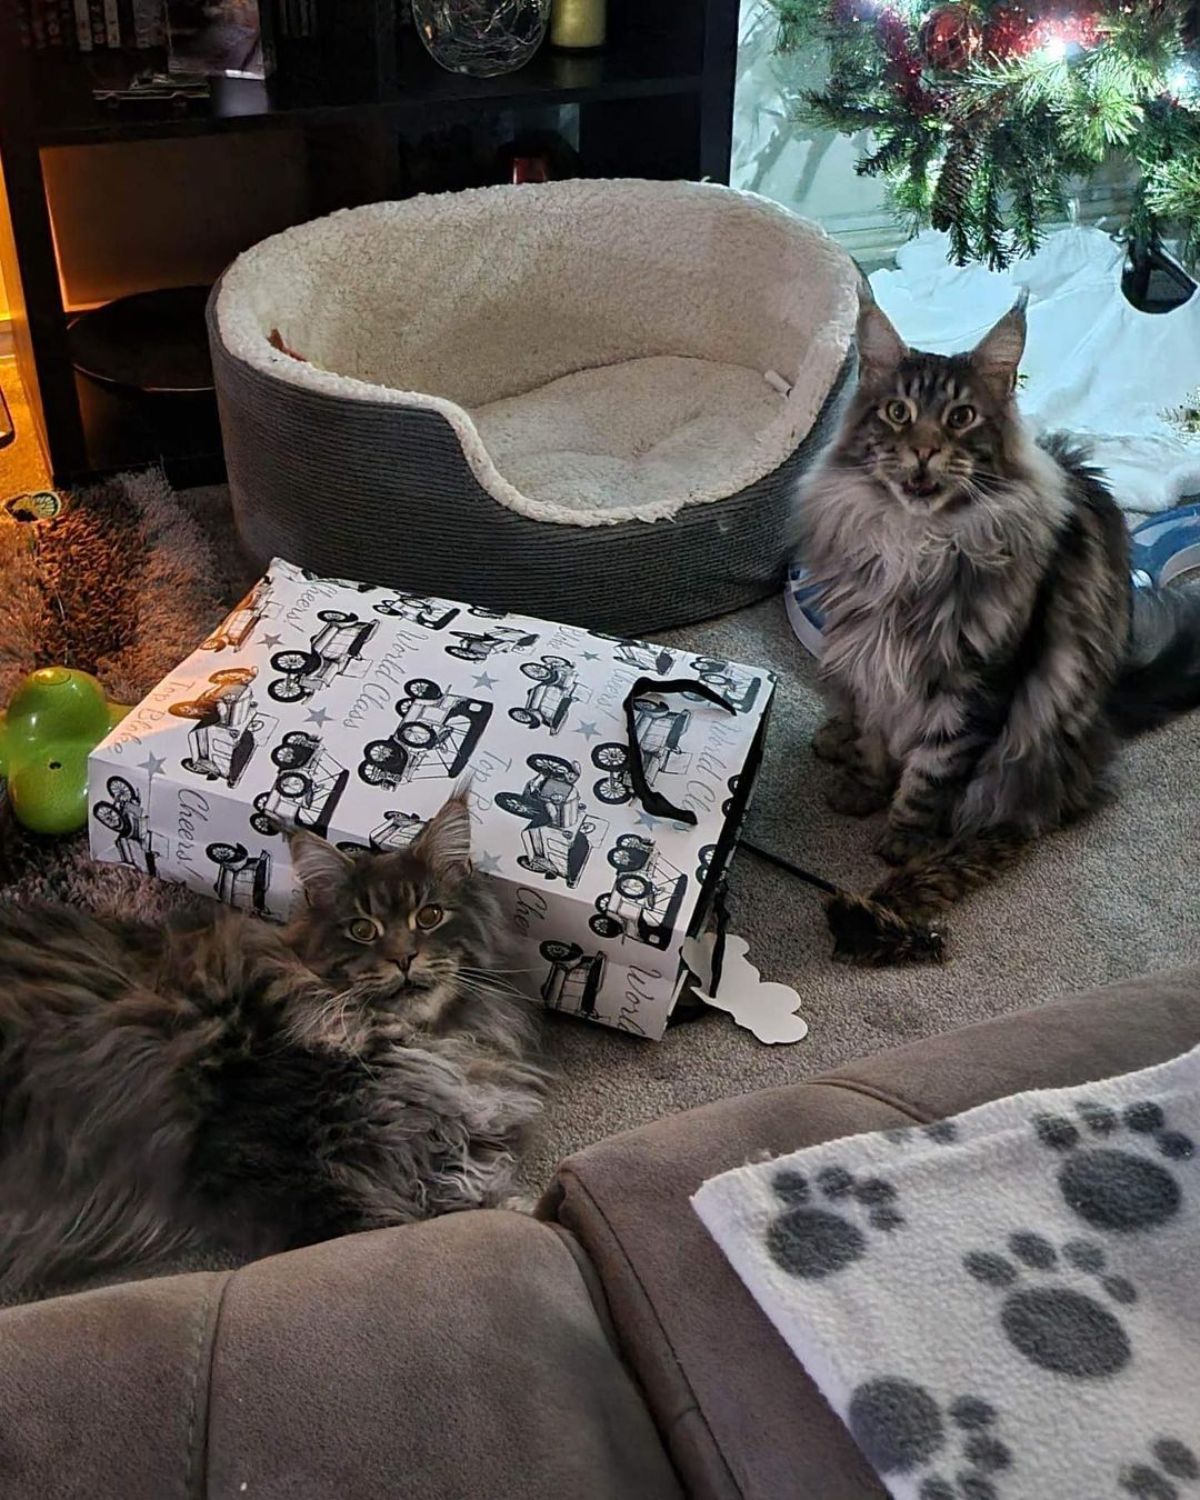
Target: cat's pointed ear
x,y
880,347
322,868
997,356
444,844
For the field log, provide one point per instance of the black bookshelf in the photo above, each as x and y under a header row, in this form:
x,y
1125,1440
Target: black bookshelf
x,y
656,102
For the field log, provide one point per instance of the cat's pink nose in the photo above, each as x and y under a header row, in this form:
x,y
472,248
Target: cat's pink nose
x,y
925,454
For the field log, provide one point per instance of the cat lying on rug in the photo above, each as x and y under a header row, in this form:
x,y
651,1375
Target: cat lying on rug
x,y
983,649
221,1080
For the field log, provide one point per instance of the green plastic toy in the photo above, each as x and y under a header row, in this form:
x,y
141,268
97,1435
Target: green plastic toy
x,y
56,716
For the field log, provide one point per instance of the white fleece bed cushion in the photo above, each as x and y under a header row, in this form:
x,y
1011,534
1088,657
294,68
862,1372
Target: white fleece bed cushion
x,y
605,351
628,434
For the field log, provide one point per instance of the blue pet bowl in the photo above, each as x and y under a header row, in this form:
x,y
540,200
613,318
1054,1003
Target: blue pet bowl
x,y
1166,546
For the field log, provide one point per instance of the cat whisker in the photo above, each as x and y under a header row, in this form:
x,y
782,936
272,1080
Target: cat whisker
x,y
484,989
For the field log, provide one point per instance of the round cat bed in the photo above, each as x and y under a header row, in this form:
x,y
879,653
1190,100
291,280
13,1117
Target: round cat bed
x,y
589,401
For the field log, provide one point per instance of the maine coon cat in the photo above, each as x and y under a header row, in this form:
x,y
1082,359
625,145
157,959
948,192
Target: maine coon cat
x,y
983,647
218,1079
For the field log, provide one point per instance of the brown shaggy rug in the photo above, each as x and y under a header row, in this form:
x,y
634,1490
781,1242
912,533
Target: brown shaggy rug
x,y
123,584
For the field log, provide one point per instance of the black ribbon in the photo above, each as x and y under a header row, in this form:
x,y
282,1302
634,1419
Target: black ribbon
x,y
721,923
654,802
792,869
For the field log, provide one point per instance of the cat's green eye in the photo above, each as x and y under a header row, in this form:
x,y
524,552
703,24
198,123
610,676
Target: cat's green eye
x,y
429,917
959,417
897,412
362,930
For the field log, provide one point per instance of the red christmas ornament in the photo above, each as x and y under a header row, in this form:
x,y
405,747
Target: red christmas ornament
x,y
950,38
1010,32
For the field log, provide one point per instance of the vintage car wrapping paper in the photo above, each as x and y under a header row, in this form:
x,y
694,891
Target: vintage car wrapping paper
x,y
353,711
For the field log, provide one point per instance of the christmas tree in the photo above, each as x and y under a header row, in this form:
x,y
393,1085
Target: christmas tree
x,y
981,112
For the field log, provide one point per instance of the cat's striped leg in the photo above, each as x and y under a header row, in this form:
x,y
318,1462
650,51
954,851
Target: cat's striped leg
x,y
931,783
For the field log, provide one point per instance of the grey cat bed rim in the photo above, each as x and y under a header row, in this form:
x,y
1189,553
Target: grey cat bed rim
x,y
319,480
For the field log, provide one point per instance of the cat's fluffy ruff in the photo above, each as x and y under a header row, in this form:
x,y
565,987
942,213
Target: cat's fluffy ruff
x,y
976,594
203,1082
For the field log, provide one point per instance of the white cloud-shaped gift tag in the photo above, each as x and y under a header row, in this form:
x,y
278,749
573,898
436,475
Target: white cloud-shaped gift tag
x,y
767,1009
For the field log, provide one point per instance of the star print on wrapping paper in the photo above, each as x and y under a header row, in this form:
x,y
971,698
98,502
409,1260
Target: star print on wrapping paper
x,y
488,864
484,681
318,716
589,731
271,640
648,820
589,656
153,765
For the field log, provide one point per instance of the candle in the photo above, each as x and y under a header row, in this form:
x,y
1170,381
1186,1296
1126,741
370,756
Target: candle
x,y
578,24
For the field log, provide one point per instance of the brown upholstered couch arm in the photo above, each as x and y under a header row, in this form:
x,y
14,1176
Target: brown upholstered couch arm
x,y
457,1360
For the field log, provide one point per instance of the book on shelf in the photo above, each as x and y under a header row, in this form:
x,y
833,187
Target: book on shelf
x,y
112,24
83,26
297,18
149,23
53,24
66,22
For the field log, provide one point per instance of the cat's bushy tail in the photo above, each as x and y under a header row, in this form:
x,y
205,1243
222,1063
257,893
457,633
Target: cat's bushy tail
x,y
927,884
1161,674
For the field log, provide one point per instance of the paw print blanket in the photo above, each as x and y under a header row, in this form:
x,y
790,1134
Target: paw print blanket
x,y
1000,1306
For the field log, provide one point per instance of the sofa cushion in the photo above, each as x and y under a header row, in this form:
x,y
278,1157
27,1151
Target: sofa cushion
x,y
442,1361
738,1412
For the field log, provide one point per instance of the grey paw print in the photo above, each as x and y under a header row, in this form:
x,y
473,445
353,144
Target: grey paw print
x,y
1054,1325
942,1132
820,1230
1172,1460
1115,1189
902,1430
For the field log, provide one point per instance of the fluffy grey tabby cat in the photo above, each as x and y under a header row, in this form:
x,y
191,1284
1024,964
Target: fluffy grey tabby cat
x,y
984,648
218,1079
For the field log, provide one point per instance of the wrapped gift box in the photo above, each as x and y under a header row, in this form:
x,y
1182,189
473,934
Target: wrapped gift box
x,y
353,711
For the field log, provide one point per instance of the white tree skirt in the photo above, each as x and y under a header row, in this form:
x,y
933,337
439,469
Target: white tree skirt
x,y
1094,365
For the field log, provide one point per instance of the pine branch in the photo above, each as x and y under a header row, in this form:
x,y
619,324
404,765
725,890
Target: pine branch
x,y
893,154
964,159
798,22
846,118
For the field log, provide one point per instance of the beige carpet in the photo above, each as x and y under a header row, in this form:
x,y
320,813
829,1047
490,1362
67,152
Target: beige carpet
x,y
1114,897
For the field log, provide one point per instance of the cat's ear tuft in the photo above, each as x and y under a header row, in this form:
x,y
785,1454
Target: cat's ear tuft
x,y
322,868
997,356
880,347
445,842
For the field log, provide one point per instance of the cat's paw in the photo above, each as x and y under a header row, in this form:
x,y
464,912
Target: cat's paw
x,y
855,798
897,844
519,1203
834,741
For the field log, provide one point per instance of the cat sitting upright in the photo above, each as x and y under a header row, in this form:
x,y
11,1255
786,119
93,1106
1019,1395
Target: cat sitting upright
x,y
217,1080
983,647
